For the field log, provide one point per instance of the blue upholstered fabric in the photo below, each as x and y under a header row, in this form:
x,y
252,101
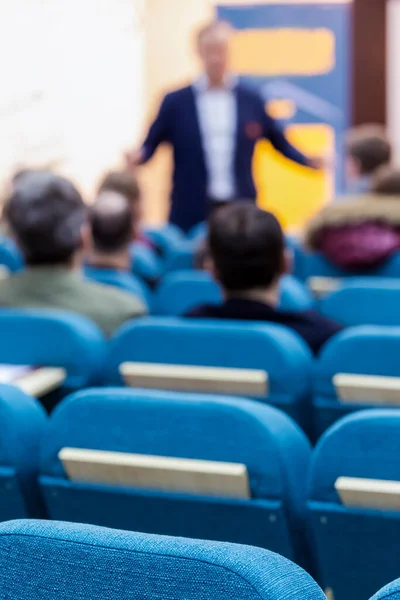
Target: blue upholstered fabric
x,y
198,232
366,350
10,256
313,264
124,281
22,422
275,451
181,291
145,263
271,348
55,339
392,591
355,548
166,239
364,301
295,296
181,258
60,561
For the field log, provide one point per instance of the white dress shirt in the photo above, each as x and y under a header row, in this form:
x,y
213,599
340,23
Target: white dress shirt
x,y
217,113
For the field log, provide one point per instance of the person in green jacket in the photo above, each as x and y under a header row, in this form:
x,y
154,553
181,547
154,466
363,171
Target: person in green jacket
x,y
49,221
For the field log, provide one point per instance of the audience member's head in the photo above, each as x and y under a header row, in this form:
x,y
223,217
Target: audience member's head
x,y
111,219
247,249
46,215
386,181
368,148
125,184
213,48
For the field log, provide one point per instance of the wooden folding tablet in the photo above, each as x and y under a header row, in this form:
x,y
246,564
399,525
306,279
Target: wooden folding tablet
x,y
369,493
367,389
200,477
241,382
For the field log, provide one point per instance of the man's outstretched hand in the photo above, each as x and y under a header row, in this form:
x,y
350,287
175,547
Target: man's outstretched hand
x,y
133,159
319,162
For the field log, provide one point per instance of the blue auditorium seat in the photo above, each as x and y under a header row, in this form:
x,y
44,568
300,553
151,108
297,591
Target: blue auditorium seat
x,y
124,281
53,338
364,301
22,424
313,264
65,561
390,591
223,429
266,347
10,256
166,239
198,232
295,296
145,263
355,548
181,291
364,350
181,258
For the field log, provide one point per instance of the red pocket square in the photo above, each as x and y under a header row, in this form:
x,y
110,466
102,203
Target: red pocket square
x,y
253,130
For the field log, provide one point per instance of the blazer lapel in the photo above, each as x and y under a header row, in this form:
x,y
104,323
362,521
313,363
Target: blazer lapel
x,y
194,118
240,118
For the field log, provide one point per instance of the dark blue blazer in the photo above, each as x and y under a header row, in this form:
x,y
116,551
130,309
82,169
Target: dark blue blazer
x,y
177,124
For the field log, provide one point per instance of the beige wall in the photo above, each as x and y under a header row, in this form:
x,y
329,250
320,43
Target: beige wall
x,y
170,62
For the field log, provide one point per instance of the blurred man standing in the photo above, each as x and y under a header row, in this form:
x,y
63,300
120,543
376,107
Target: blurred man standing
x,y
213,126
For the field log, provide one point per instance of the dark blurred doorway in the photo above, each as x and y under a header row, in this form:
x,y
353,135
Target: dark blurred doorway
x,y
369,61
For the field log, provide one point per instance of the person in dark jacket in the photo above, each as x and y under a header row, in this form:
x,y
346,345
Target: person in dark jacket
x,y
248,259
213,127
363,231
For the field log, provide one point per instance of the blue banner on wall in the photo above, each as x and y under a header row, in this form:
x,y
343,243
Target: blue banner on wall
x,y
299,56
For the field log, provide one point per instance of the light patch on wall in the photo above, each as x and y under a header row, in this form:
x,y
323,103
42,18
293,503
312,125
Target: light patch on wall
x,y
281,109
286,51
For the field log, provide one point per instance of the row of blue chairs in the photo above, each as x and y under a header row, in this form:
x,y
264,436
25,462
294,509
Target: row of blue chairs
x,y
181,291
294,507
173,251
298,383
357,301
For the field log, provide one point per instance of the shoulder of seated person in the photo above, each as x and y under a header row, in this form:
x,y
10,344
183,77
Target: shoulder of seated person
x,y
114,294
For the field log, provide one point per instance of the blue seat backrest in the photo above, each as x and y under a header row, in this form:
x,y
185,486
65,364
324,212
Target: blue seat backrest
x,y
10,256
295,296
354,546
181,258
363,350
364,301
390,591
166,239
198,232
55,339
182,291
271,348
70,561
313,264
22,423
217,428
124,281
145,263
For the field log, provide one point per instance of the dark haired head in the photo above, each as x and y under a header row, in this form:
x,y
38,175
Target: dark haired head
x,y
386,182
45,213
111,219
370,147
121,182
246,246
